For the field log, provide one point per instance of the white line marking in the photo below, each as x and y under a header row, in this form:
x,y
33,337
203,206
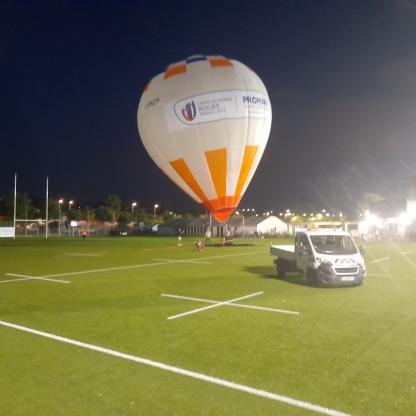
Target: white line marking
x,y
380,260
196,261
137,266
16,280
213,306
410,261
405,253
188,373
238,305
80,255
26,277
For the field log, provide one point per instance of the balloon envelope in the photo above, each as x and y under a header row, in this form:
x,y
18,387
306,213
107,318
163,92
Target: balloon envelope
x,y
205,122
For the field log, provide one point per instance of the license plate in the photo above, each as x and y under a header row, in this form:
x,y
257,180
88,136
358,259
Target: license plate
x,y
347,278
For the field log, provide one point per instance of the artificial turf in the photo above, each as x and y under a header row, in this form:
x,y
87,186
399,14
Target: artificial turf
x,y
350,349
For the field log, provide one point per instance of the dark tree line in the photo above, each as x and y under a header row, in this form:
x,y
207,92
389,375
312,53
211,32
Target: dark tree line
x,y
112,210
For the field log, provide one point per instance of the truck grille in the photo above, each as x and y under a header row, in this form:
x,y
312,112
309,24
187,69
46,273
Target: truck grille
x,y
346,270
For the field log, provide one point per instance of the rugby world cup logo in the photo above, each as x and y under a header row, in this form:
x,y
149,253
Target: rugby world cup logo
x,y
189,111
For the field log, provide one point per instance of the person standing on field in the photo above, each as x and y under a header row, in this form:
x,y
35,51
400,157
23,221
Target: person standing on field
x,y
208,236
180,232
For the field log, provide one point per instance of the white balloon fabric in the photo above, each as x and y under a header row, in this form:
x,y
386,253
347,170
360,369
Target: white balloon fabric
x,y
205,122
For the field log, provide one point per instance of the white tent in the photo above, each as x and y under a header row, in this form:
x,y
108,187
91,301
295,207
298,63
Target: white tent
x,y
271,225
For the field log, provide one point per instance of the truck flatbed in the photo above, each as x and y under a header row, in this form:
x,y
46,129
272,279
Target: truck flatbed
x,y
286,252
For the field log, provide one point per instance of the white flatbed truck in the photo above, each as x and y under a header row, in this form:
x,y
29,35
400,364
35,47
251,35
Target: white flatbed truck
x,y
325,257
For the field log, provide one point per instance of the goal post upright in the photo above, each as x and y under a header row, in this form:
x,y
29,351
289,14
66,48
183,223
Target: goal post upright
x,y
47,206
10,231
14,205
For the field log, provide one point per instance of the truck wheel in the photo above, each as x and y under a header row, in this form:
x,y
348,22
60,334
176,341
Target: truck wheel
x,y
281,269
311,278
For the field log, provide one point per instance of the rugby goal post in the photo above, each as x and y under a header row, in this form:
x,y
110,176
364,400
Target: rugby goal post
x,y
10,232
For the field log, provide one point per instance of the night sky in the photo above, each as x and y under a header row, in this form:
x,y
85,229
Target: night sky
x,y
341,76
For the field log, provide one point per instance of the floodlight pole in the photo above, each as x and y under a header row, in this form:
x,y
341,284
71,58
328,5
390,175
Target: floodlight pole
x,y
14,208
88,222
244,228
47,198
59,217
133,209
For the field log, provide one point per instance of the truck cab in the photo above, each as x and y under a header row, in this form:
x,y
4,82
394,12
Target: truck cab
x,y
325,257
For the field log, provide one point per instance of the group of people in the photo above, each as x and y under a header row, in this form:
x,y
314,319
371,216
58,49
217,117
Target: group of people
x,y
199,245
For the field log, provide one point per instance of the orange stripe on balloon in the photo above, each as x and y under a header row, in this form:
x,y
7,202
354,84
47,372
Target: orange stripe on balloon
x,y
222,208
217,163
248,159
215,63
176,70
183,171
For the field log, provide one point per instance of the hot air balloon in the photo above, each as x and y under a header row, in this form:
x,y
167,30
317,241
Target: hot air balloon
x,y
205,122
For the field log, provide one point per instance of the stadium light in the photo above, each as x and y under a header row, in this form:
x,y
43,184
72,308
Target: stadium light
x,y
59,216
155,207
70,204
372,219
404,219
134,205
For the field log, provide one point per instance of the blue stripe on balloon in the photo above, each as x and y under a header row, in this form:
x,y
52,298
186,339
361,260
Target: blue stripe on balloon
x,y
196,59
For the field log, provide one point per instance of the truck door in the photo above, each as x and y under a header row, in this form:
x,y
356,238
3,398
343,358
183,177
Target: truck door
x,y
303,252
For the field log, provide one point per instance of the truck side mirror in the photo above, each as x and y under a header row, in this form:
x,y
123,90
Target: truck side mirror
x,y
362,250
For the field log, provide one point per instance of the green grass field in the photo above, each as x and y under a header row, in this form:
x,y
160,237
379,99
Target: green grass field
x,y
351,350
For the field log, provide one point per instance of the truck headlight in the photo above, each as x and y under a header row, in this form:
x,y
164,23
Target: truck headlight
x,y
323,261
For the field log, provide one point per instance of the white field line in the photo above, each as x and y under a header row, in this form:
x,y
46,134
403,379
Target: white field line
x,y
16,280
196,261
380,260
405,253
180,315
188,373
80,255
138,266
238,305
26,277
409,260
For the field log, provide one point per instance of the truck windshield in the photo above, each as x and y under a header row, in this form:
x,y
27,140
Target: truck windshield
x,y
333,244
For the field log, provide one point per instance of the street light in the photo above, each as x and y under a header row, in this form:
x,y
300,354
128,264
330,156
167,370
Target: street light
x,y
244,228
59,216
154,212
69,227
134,205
